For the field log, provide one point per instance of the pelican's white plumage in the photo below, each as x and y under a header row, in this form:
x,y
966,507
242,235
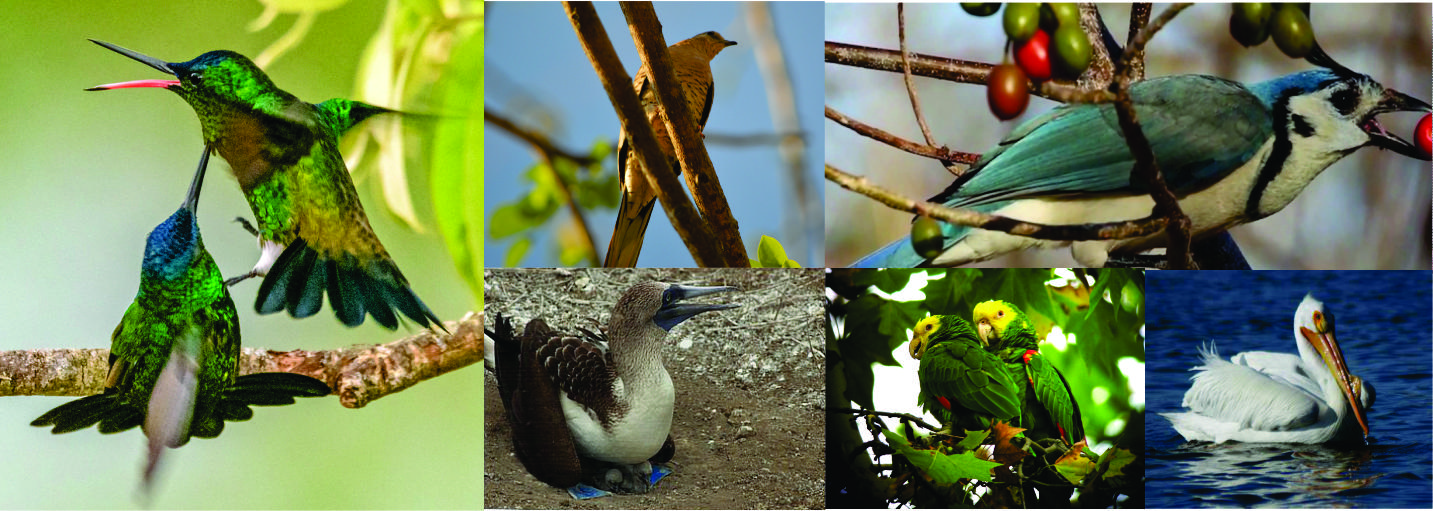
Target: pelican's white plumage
x,y
1260,396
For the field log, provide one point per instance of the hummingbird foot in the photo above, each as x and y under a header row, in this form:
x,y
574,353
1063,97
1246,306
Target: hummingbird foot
x,y
244,222
235,280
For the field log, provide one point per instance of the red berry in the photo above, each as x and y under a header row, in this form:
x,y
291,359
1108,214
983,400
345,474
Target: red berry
x,y
1008,92
1034,56
1424,134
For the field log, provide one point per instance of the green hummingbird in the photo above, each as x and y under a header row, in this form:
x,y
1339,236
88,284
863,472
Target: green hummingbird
x,y
313,234
174,358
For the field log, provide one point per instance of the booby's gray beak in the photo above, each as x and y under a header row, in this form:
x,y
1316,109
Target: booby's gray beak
x,y
673,312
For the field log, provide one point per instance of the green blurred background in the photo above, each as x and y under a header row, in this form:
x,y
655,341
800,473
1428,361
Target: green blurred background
x,y
86,175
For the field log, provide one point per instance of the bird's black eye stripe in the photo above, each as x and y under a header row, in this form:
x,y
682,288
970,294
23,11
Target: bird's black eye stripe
x,y
1345,100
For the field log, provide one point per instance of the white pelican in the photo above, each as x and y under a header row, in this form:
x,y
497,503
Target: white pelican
x,y
1259,396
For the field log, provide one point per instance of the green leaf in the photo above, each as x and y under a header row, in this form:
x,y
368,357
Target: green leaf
x,y
973,439
1074,468
943,469
1116,459
457,158
770,253
515,253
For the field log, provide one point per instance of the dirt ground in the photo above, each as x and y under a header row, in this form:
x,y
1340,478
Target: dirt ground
x,y
749,382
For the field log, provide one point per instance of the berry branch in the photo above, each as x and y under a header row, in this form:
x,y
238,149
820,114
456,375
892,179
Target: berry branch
x,y
1090,88
358,375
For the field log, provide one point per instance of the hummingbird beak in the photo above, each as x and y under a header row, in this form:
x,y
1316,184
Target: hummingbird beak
x,y
146,60
191,201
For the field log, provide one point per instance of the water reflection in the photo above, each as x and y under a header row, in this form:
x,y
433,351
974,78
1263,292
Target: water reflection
x,y
1282,475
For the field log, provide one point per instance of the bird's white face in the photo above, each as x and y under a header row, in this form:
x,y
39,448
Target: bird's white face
x,y
1342,117
1314,326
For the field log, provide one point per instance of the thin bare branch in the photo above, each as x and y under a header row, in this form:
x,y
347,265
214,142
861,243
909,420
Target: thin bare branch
x,y
538,140
1138,19
903,416
358,375
910,146
1146,169
754,139
1074,232
688,223
906,73
686,137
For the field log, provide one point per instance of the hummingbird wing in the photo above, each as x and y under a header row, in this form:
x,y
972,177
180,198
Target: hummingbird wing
x,y
171,406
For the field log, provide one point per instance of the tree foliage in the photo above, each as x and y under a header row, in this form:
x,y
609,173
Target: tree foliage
x,y
1100,314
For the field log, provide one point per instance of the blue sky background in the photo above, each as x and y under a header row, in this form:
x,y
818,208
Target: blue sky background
x,y
536,66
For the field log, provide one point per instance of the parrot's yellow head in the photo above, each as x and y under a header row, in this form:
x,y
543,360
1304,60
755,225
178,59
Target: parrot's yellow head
x,y
921,338
991,319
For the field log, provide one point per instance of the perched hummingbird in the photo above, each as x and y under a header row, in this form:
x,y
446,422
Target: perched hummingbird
x,y
174,358
313,233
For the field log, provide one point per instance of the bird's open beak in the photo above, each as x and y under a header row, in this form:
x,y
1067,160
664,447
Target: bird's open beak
x,y
1327,346
673,312
191,201
1394,101
146,60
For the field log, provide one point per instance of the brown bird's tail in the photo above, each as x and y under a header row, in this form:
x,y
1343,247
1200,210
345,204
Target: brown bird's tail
x,y
356,288
626,245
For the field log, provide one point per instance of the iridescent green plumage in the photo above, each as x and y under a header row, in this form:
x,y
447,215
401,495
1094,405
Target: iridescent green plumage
x,y
174,357
962,384
1048,406
312,229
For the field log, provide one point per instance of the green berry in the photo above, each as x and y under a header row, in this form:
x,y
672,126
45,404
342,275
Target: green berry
x,y
1021,21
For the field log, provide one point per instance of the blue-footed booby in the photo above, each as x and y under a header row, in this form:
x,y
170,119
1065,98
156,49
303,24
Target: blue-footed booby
x,y
594,407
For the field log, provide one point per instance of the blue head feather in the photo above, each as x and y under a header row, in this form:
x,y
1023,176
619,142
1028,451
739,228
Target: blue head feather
x,y
1296,84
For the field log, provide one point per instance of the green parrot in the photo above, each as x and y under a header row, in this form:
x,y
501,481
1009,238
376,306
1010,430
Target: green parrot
x,y
962,384
1050,411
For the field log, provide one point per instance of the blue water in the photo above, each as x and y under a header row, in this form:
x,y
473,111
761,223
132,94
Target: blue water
x,y
1384,322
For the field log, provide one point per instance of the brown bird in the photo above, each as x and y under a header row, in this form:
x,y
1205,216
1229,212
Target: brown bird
x,y
691,62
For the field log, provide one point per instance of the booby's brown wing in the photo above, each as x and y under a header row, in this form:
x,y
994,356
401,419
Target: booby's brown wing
x,y
584,370
541,439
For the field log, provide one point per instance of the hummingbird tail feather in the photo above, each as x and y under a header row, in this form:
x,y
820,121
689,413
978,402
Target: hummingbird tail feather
x,y
104,409
626,244
356,289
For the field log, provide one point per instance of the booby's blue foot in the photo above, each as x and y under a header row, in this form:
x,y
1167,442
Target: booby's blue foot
x,y
639,478
584,492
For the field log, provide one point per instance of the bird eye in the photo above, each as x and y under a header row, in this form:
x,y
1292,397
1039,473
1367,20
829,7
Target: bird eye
x,y
1345,100
1000,314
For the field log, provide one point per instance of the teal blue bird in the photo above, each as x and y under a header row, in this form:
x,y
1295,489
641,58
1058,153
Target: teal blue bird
x,y
174,358
1232,154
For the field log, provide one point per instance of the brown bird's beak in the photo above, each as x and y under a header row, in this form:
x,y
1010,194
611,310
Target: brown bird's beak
x,y
142,58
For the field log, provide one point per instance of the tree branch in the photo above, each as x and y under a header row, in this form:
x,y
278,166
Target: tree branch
x,y
904,416
358,375
537,140
916,148
941,68
684,217
1073,232
1146,169
686,137
549,153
